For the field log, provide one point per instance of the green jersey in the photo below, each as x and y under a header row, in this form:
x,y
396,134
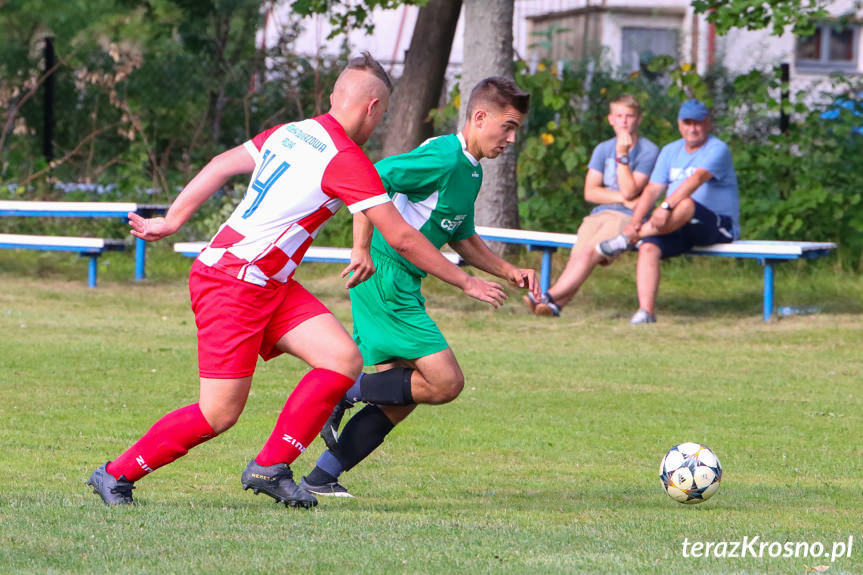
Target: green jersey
x,y
434,187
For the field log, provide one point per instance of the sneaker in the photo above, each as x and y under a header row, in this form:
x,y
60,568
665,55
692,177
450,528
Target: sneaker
x,y
277,481
613,247
112,491
330,432
334,489
547,307
642,316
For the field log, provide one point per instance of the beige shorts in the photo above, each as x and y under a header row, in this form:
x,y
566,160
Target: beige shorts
x,y
600,227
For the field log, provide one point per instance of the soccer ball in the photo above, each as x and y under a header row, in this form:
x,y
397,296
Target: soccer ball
x,y
690,473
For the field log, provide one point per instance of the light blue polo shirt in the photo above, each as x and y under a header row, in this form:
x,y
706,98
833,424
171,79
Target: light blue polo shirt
x,y
719,194
604,160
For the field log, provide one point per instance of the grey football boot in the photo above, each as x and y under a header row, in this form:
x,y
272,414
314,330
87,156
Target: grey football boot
x,y
277,481
112,491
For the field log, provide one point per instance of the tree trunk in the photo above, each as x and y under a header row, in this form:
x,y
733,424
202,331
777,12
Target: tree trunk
x,y
419,88
488,52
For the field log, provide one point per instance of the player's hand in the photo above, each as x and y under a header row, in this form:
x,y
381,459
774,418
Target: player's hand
x,y
361,265
149,229
489,292
624,142
659,218
525,278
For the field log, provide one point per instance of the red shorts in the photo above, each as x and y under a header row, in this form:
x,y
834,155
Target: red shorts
x,y
238,320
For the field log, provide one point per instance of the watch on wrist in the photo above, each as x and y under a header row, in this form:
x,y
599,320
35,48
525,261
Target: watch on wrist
x,y
624,159
665,206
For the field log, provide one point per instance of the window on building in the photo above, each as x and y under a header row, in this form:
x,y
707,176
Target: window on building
x,y
641,44
832,47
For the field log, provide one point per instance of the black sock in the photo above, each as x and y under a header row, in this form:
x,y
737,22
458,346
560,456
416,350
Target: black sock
x,y
391,387
362,435
320,477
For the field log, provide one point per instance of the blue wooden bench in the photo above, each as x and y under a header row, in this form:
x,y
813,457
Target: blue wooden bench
x,y
88,210
767,253
89,247
320,254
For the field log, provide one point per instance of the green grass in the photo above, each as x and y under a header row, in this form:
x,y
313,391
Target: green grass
x,y
547,463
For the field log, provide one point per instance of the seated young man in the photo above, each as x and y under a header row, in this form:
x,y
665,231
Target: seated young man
x,y
617,174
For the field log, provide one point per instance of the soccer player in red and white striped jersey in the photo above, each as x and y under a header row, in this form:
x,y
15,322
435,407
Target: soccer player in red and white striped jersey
x,y
245,300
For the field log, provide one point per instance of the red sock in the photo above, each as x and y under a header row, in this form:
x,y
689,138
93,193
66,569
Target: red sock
x,y
170,438
304,415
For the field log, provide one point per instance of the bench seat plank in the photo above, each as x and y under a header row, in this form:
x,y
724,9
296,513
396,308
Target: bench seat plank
x,y
38,208
90,247
527,237
767,252
319,254
765,249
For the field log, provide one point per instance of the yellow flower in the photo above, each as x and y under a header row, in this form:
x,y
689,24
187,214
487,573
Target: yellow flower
x,y
634,74
540,67
602,91
547,139
686,67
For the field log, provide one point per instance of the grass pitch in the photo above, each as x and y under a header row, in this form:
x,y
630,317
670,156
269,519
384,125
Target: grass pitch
x,y
547,463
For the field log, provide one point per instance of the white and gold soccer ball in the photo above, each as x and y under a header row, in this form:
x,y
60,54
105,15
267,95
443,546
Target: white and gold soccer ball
x,y
690,473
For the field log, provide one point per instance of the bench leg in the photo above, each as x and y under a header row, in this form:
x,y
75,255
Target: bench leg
x,y
92,269
545,272
768,289
140,258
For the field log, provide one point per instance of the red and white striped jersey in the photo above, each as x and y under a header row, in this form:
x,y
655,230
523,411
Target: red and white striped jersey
x,y
304,172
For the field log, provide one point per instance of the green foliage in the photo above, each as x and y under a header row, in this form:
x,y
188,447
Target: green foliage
x,y
147,91
806,183
347,16
446,117
801,15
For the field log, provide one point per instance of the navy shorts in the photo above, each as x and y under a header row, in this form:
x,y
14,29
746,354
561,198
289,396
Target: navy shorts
x,y
704,229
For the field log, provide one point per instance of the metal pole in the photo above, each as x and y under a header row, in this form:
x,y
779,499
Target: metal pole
x,y
785,72
48,119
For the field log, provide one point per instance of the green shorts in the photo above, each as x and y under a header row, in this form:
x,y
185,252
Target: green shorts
x,y
390,319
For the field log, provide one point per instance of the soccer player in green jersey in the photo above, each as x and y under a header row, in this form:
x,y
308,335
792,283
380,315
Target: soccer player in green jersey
x,y
434,187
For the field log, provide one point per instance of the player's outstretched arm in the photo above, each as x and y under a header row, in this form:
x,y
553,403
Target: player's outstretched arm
x,y
475,251
418,250
212,177
361,258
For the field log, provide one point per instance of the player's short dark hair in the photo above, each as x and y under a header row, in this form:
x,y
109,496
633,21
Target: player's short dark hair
x,y
367,63
499,91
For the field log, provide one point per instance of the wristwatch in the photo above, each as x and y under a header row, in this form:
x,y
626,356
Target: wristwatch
x,y
665,206
624,159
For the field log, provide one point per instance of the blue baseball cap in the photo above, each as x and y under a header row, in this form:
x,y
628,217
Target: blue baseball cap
x,y
693,110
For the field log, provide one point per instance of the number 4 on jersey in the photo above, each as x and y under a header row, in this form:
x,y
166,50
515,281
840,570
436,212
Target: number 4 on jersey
x,y
261,185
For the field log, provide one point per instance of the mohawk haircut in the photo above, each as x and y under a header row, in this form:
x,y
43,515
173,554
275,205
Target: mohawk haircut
x,y
500,92
367,63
